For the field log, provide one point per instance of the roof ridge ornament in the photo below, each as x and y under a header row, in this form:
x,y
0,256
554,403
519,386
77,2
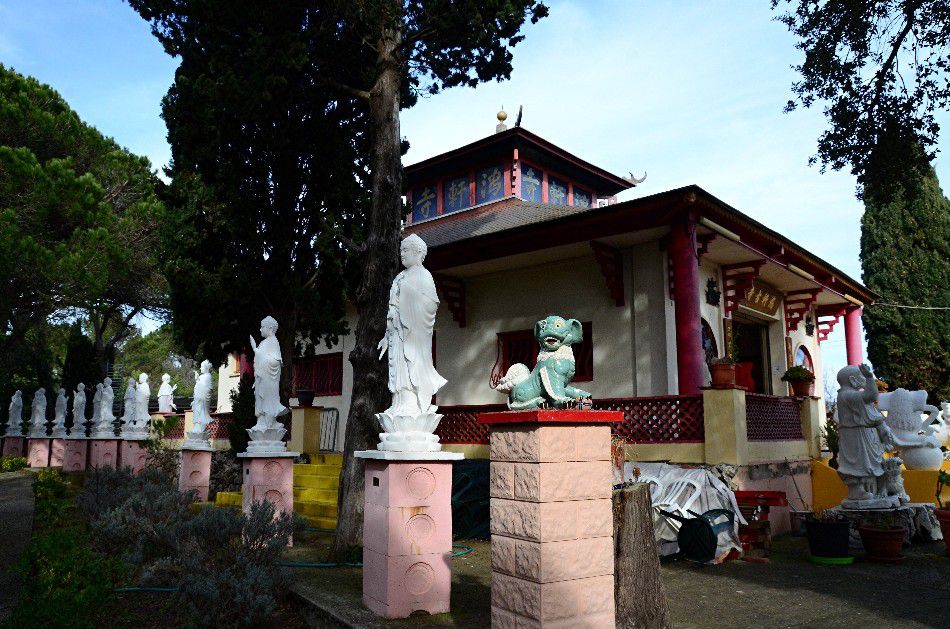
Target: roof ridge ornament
x,y
502,116
633,180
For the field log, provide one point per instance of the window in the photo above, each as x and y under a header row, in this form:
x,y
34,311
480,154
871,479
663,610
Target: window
x,y
455,194
520,346
489,184
557,191
322,374
531,179
581,197
424,203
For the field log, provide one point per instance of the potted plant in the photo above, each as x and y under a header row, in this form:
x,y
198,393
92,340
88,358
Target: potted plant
x,y
723,370
305,397
943,513
883,539
800,380
828,538
830,435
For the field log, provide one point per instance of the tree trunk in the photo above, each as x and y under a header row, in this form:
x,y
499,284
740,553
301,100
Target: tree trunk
x,y
638,589
380,264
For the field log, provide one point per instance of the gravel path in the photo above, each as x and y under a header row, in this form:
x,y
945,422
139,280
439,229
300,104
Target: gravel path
x,y
16,523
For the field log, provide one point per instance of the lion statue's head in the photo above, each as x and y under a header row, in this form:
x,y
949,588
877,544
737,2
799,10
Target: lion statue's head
x,y
554,332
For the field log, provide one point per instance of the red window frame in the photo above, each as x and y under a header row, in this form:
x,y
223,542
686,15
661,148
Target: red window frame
x,y
323,374
520,346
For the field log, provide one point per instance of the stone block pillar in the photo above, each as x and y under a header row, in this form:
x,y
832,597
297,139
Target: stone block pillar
x,y
195,474
132,455
813,410
407,532
725,427
57,452
14,446
551,518
38,455
104,453
77,451
305,429
269,477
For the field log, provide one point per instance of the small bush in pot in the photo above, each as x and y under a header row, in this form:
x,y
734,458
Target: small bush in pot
x,y
883,539
800,379
828,538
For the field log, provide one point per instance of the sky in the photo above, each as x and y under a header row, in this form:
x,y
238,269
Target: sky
x,y
688,92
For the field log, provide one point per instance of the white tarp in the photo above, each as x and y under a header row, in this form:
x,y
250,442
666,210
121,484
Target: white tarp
x,y
714,494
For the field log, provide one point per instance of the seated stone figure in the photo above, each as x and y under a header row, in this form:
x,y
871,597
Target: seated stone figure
x,y
548,384
914,435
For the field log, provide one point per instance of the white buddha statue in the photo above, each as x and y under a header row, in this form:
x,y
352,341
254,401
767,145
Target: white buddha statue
x,y
15,416
268,433
199,436
166,395
59,418
38,414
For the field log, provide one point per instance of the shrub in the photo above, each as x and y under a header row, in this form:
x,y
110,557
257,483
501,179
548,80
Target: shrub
x,y
226,473
798,373
50,491
64,583
12,463
242,414
157,454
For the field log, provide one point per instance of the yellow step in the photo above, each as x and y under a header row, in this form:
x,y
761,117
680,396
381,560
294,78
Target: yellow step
x,y
228,499
316,509
317,482
326,496
320,522
302,469
331,458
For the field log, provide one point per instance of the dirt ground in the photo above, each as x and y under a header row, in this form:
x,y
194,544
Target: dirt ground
x,y
787,592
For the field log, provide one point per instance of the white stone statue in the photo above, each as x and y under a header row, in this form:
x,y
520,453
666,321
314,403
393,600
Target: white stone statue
x,y
942,428
138,428
96,403
166,393
128,403
15,416
864,437
38,414
410,420
199,437
267,434
59,418
910,418
79,412
105,422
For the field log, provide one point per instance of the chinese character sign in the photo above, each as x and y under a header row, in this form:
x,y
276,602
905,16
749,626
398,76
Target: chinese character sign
x,y
455,195
531,184
581,197
423,203
489,184
557,192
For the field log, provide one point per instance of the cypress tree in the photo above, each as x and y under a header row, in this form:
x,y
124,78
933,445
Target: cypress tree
x,y
905,255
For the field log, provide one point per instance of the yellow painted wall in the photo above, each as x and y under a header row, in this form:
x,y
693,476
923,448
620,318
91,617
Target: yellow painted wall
x,y
828,490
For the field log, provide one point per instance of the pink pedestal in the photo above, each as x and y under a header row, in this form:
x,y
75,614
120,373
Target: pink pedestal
x,y
407,537
57,452
269,478
104,453
77,451
38,452
14,446
195,472
551,518
132,455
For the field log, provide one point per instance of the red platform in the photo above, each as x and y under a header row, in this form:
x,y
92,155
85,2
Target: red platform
x,y
551,416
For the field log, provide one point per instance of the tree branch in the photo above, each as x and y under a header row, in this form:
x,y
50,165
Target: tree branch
x,y
881,77
343,87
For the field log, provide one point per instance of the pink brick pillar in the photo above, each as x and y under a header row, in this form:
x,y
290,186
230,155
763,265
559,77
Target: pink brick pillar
x,y
57,452
14,446
77,451
195,474
38,452
269,477
104,453
551,518
407,536
132,455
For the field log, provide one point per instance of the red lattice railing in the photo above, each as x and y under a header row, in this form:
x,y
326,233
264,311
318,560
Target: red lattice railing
x,y
772,418
661,419
658,419
219,427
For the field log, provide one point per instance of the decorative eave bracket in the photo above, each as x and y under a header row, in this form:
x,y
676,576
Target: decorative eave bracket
x,y
452,292
828,317
702,247
797,305
610,261
736,281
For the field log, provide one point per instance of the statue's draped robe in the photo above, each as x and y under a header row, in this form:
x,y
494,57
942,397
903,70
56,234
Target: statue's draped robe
x,y
142,393
413,303
267,364
165,397
200,405
105,405
38,411
59,419
79,408
128,412
860,448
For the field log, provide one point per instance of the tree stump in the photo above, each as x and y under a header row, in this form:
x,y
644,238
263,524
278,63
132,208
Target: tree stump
x,y
638,589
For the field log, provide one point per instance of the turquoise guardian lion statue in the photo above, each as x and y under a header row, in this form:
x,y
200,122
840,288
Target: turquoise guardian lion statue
x,y
548,384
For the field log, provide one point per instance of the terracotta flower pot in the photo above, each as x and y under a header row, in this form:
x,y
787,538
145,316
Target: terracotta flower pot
x,y
723,375
943,516
800,388
883,545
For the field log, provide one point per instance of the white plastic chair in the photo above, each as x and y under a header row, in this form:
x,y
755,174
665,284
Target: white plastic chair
x,y
679,497
656,487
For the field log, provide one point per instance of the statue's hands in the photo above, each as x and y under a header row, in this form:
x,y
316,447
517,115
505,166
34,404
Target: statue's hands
x,y
866,371
383,346
253,343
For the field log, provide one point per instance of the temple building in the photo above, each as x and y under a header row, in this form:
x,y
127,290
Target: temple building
x,y
518,228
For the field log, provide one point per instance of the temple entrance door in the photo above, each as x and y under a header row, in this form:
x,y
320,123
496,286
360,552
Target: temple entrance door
x,y
752,354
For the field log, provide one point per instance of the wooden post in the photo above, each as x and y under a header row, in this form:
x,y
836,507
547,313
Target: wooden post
x,y
638,589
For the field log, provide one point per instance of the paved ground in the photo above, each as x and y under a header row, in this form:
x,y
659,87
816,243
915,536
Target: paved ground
x,y
16,523
788,592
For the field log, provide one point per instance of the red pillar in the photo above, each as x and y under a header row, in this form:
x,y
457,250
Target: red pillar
x,y
852,336
689,344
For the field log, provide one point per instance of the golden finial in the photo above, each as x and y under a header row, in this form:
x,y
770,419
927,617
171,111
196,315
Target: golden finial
x,y
502,116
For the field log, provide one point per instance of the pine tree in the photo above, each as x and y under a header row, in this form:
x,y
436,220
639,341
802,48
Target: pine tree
x,y
905,255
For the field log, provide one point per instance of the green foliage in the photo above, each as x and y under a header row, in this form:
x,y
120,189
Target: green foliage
x,y
226,473
905,255
79,366
242,414
881,67
50,491
64,582
943,480
12,463
798,374
157,353
831,435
